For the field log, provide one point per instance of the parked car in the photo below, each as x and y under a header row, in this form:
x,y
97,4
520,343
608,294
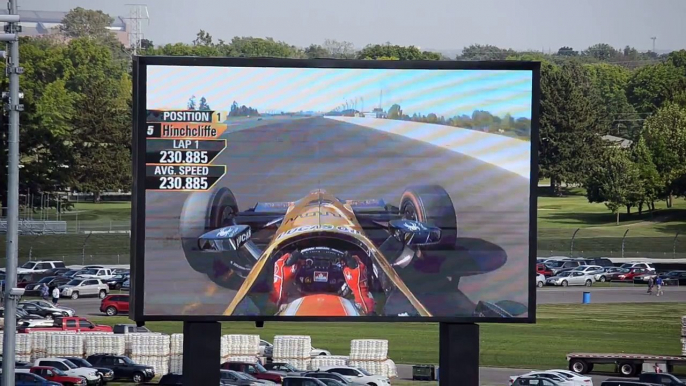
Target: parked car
x,y
608,273
235,378
323,376
630,275
105,374
254,369
39,266
638,264
555,378
126,285
589,269
571,278
674,277
357,374
661,379
103,274
117,281
601,261
544,270
535,381
91,375
47,313
540,280
302,381
115,304
29,379
130,329
71,323
579,380
45,304
123,367
84,287
282,367
33,289
54,374
559,265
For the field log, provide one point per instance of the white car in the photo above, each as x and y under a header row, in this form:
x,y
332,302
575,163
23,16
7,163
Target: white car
x,y
266,350
540,280
39,266
589,269
638,264
71,369
549,375
579,380
96,273
357,375
568,278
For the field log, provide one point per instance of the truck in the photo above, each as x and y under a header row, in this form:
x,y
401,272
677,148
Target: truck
x,y
54,374
72,323
89,375
628,365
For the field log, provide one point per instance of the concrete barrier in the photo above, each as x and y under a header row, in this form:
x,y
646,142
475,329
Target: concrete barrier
x,y
505,152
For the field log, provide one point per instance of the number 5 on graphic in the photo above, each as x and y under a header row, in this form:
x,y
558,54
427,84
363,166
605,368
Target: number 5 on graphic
x,y
151,130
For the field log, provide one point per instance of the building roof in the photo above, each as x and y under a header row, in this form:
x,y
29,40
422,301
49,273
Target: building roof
x,y
56,17
619,141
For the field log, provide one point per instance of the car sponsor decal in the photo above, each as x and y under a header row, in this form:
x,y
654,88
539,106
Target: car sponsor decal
x,y
321,277
314,214
313,228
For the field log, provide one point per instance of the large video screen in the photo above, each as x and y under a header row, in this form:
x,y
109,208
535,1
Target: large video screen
x,y
335,190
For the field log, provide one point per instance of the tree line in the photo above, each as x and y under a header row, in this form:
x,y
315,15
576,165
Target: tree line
x,y
76,127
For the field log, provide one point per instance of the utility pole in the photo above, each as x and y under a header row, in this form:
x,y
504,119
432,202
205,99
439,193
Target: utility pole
x,y
137,14
13,105
653,39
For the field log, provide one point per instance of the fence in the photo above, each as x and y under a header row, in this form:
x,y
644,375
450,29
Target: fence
x,y
109,242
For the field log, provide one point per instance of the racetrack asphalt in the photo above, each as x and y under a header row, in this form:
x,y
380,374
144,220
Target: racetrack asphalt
x,y
284,160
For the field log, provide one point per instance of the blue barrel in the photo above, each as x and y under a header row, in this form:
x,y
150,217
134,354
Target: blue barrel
x,y
587,298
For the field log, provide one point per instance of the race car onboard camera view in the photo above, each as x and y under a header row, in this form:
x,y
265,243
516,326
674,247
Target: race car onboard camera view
x,y
337,192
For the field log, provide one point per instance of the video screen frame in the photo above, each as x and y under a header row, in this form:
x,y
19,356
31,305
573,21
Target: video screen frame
x,y
138,205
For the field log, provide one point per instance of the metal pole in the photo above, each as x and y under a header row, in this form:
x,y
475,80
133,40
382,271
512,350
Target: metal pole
x,y
14,106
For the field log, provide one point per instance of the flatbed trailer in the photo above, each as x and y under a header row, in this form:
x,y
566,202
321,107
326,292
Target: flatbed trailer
x,y
628,365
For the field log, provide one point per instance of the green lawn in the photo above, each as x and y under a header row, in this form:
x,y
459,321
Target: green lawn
x,y
608,328
649,234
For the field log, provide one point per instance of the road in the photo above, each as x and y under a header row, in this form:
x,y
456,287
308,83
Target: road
x,y
284,160
547,295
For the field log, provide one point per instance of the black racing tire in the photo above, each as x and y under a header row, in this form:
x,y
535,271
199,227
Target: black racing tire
x,y
203,212
432,205
579,366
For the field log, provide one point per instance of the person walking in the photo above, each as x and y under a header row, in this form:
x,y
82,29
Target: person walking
x,y
44,292
651,283
55,295
659,283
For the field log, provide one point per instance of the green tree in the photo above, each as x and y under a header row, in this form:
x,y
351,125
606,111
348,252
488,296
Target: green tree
x,y
316,51
615,181
567,51
380,51
339,49
81,22
610,81
601,52
569,139
664,134
395,112
648,176
649,87
484,52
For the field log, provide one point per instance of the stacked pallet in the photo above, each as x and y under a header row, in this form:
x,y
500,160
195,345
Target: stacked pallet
x,y
150,350
295,350
60,345
24,347
320,361
113,344
372,356
683,335
39,344
176,354
240,348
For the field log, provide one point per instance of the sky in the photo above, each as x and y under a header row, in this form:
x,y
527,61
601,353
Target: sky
x,y
429,24
445,92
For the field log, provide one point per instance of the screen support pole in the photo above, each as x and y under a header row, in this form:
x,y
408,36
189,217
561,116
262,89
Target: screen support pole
x,y
458,360
201,353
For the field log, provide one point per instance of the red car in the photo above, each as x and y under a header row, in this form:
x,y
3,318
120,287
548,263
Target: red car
x,y
254,369
55,375
629,276
544,270
115,304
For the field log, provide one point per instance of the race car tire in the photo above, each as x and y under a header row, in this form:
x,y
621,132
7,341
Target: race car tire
x,y
432,205
201,213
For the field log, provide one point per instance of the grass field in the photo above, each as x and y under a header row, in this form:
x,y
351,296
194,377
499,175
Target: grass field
x,y
560,329
649,234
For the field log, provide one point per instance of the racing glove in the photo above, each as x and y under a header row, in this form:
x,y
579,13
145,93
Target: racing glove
x,y
285,271
355,273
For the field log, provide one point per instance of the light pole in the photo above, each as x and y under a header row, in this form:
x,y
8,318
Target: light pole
x,y
11,293
653,39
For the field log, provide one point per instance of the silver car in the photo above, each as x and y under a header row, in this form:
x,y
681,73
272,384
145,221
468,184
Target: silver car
x,y
84,287
568,278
